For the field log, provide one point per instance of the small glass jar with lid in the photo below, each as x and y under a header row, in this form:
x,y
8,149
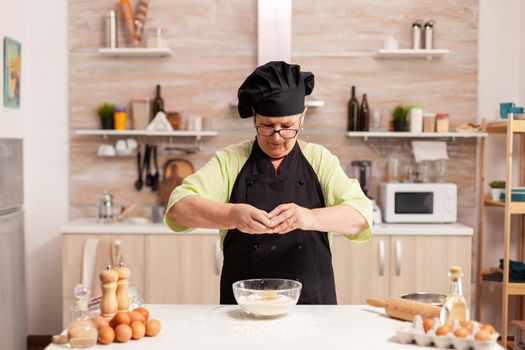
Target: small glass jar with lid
x,y
81,332
442,122
156,37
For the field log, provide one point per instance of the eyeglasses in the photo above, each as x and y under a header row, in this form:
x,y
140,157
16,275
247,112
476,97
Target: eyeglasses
x,y
269,131
264,130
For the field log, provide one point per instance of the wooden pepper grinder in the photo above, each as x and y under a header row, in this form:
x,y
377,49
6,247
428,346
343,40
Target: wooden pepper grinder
x,y
122,287
108,303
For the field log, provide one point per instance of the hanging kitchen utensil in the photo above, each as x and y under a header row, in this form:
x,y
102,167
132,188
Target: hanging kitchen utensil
x,y
173,172
156,175
147,158
139,183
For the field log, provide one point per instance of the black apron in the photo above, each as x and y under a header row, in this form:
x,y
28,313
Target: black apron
x,y
300,255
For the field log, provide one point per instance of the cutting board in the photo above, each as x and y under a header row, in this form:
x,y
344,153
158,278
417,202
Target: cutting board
x,y
173,172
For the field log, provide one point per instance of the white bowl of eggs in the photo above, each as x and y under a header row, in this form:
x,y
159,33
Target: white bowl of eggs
x,y
460,335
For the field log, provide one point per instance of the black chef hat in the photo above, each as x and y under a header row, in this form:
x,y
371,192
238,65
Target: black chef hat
x,y
275,89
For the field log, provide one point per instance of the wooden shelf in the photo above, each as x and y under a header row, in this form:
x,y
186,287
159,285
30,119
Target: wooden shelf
x,y
490,203
411,53
500,127
405,134
146,133
516,288
517,207
135,52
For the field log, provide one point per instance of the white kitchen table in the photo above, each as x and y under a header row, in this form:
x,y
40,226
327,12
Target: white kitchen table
x,y
305,327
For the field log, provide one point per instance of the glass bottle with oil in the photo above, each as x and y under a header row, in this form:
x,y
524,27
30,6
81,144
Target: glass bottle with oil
x,y
455,306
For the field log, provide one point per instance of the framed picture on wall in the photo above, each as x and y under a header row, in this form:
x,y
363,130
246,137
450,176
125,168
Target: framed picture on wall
x,y
12,65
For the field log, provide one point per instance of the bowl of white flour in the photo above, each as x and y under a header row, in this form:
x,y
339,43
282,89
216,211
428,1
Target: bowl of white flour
x,y
267,297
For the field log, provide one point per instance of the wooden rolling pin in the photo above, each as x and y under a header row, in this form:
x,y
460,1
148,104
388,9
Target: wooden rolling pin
x,y
405,309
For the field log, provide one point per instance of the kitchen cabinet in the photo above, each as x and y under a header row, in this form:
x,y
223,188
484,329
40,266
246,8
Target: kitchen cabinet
x,y
392,265
182,269
361,270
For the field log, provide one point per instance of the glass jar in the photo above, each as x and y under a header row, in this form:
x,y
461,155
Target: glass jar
x,y
119,114
156,38
429,122
81,332
442,122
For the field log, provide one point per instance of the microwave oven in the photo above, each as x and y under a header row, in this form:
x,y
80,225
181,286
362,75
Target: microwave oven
x,y
418,202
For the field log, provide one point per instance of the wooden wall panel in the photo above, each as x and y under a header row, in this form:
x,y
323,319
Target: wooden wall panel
x,y
214,45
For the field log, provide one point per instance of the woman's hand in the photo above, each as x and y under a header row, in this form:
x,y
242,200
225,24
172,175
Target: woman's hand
x,y
248,219
290,216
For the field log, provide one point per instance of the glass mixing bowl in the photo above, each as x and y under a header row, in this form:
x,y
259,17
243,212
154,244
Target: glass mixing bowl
x,y
267,297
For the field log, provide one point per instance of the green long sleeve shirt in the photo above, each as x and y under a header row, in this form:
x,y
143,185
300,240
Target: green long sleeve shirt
x,y
215,180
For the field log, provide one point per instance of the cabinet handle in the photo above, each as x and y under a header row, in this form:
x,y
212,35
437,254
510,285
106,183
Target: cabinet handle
x,y
398,258
381,257
218,257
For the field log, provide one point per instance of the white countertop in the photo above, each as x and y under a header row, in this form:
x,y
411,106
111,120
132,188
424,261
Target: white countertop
x,y
91,226
305,327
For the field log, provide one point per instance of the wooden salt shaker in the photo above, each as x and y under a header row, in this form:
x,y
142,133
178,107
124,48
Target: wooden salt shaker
x,y
108,303
122,288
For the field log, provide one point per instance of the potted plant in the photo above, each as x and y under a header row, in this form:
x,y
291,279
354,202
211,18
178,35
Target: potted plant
x,y
497,187
400,118
105,112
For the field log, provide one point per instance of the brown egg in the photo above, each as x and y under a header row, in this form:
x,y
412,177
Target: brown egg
x,y
482,335
488,328
461,332
143,311
427,323
467,325
152,328
100,321
136,316
120,318
138,329
123,333
443,330
106,335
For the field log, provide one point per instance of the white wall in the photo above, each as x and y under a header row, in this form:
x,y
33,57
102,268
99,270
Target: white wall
x,y
46,161
501,79
42,123
13,24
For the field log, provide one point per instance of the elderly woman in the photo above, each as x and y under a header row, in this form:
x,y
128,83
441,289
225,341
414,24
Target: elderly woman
x,y
275,198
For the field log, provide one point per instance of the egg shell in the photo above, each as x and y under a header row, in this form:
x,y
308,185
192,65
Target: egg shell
x,y
427,324
136,316
482,335
106,335
123,333
143,311
152,327
100,321
120,318
488,327
461,332
443,330
138,329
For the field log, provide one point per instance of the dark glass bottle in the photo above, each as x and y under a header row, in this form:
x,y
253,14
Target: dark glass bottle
x,y
364,115
353,112
157,104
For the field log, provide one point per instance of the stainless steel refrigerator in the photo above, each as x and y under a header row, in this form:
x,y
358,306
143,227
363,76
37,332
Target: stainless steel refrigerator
x,y
13,323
